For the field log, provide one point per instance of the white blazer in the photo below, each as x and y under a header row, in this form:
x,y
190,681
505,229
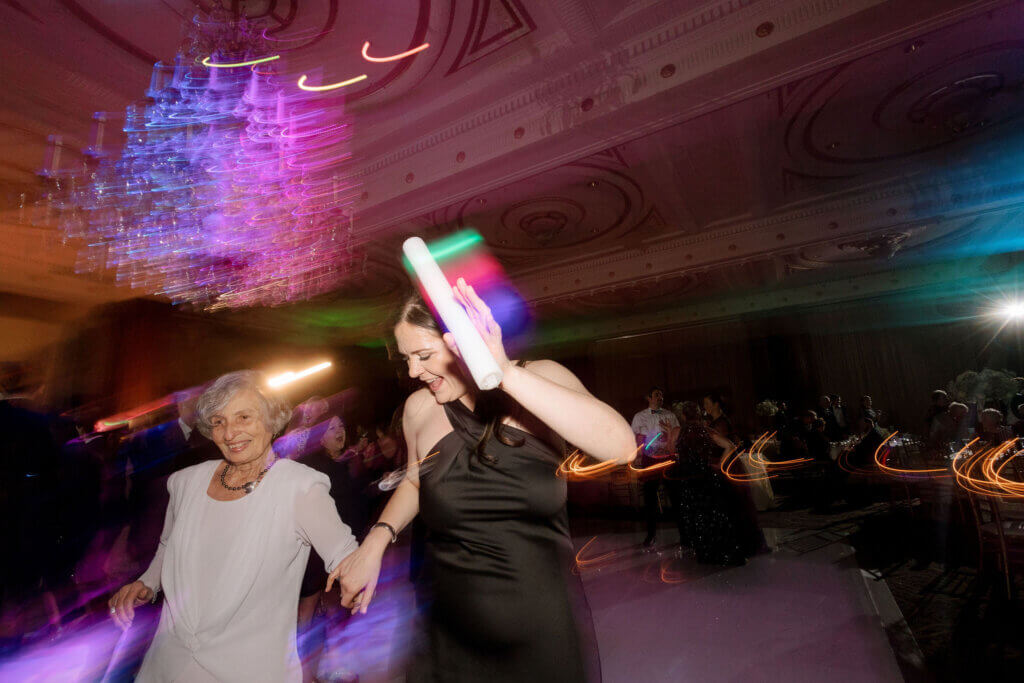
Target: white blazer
x,y
243,627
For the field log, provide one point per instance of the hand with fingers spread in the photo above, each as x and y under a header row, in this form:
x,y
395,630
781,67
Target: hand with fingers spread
x,y
482,318
122,604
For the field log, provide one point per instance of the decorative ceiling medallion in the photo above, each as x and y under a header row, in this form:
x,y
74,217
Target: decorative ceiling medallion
x,y
883,246
543,220
543,226
493,24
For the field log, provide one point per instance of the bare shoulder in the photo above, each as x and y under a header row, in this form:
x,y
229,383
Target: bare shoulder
x,y
557,373
417,406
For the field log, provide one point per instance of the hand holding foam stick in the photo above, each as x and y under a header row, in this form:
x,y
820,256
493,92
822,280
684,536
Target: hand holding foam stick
x,y
468,319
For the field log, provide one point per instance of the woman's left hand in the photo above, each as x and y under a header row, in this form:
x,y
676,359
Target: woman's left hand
x,y
483,320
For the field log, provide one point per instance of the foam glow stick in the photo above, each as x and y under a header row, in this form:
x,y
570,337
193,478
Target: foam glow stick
x,y
478,358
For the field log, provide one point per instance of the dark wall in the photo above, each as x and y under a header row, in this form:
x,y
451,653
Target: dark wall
x,y
885,349
134,352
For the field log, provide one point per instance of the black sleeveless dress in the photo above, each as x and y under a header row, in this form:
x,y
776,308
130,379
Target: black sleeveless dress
x,y
503,602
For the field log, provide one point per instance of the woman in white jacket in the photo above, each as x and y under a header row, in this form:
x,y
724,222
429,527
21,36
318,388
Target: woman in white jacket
x,y
234,547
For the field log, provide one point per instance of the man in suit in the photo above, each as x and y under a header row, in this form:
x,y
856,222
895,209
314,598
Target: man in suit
x,y
155,454
28,507
656,430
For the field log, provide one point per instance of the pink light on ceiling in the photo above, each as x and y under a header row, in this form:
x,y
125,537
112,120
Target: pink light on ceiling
x,y
392,58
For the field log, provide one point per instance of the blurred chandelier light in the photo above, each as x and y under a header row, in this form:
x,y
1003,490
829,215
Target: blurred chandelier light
x,y
230,190
291,376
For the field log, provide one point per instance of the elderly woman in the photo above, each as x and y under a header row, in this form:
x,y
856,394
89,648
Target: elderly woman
x,y
236,538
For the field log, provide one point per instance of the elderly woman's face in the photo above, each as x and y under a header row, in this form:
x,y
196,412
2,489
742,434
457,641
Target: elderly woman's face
x,y
239,429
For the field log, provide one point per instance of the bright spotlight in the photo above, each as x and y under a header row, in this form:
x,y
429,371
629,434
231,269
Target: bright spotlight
x,y
1013,311
289,377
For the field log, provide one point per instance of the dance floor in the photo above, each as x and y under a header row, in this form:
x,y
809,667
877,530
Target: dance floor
x,y
783,617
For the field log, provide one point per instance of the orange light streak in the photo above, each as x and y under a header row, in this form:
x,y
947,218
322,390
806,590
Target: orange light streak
x,y
1015,488
392,58
735,456
573,468
938,472
756,456
733,468
978,472
668,575
603,558
656,467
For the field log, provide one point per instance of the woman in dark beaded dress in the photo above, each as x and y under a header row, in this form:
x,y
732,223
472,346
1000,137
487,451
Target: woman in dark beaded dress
x,y
718,521
481,474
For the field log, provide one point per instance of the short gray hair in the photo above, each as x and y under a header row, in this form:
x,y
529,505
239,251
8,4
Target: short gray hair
x,y
274,410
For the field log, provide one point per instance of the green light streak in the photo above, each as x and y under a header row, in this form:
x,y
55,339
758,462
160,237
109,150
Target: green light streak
x,y
450,246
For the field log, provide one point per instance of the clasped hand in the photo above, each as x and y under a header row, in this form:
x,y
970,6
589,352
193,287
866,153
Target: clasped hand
x,y
122,604
357,576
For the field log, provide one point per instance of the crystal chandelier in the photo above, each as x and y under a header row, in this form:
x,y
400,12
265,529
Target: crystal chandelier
x,y
230,190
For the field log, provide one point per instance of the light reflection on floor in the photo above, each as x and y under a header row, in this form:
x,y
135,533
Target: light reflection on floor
x,y
658,617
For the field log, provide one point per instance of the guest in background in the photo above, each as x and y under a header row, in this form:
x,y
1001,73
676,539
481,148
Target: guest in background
x,y
950,427
29,471
783,419
825,413
1017,401
389,445
196,447
867,409
151,450
793,442
1018,426
719,522
367,451
938,408
991,429
714,408
842,420
656,430
817,440
299,440
819,448
869,438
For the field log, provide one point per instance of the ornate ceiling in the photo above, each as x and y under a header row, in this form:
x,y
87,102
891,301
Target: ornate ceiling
x,y
615,154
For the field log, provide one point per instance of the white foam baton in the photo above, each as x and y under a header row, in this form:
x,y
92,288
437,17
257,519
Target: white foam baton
x,y
477,356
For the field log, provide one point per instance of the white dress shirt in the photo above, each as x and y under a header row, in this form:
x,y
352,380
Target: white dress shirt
x,y
648,422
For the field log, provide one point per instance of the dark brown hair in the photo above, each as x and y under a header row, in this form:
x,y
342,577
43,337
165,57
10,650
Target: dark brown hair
x,y
492,407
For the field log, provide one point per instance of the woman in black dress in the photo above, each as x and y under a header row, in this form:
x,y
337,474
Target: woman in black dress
x,y
481,473
721,524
